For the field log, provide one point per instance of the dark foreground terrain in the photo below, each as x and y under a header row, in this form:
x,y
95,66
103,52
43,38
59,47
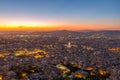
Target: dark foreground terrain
x,y
60,55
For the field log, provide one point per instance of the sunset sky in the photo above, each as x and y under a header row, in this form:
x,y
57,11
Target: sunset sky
x,y
59,14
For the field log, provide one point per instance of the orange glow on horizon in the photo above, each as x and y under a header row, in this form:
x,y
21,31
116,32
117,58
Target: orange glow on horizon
x,y
26,25
54,27
26,28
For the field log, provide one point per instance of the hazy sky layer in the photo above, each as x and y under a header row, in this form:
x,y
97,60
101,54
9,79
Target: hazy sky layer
x,y
80,14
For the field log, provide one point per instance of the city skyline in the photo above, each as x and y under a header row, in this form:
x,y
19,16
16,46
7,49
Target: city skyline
x,y
59,15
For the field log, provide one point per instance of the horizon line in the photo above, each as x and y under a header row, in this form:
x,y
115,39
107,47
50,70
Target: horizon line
x,y
56,30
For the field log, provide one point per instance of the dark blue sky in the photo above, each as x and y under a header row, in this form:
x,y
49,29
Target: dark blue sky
x,y
75,11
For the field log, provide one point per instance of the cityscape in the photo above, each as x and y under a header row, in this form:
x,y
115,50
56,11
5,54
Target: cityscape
x,y
60,55
59,39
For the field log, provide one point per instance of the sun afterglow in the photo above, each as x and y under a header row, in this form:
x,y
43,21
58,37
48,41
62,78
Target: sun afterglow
x,y
32,24
26,25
